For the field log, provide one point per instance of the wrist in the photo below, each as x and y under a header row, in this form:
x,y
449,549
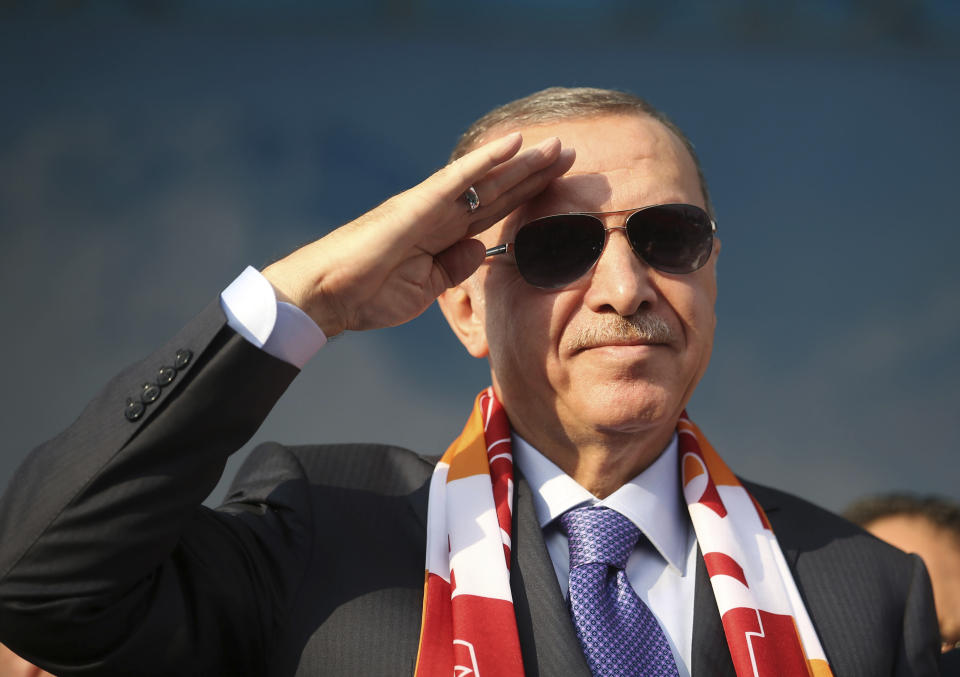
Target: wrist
x,y
289,287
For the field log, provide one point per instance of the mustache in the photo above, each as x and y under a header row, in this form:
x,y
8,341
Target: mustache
x,y
645,327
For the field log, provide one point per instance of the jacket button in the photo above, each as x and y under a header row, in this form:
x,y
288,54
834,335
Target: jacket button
x,y
182,358
134,410
165,376
150,393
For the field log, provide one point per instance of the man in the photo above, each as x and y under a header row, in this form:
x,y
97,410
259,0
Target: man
x,y
620,543
929,527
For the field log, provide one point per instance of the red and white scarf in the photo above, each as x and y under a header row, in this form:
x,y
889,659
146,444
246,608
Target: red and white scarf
x,y
469,628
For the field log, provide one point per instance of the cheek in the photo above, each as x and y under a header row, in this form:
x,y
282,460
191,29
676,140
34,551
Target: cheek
x,y
523,332
705,324
694,303
704,318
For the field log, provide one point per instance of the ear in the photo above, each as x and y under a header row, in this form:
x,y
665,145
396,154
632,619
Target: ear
x,y
463,307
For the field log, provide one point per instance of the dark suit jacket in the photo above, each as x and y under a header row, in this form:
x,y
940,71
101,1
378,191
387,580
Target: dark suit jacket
x,y
110,565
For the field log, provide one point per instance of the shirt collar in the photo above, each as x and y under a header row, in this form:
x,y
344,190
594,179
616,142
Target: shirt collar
x,y
651,500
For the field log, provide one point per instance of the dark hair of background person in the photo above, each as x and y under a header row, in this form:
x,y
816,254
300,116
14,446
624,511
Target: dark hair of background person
x,y
564,103
936,510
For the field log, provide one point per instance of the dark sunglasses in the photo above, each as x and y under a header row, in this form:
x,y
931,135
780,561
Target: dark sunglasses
x,y
554,251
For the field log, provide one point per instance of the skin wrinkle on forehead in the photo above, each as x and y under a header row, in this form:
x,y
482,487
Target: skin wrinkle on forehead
x,y
553,201
563,196
643,148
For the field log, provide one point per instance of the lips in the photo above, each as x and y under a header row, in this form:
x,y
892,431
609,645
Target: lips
x,y
622,344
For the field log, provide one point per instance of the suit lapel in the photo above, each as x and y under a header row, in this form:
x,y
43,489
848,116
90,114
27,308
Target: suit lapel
x,y
547,638
710,655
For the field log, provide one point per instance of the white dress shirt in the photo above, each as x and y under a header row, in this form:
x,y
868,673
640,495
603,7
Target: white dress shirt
x,y
661,568
278,328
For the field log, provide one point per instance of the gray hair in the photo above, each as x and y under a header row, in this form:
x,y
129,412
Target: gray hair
x,y
564,103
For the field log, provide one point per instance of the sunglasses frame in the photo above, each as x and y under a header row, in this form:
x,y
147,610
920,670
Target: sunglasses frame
x,y
508,247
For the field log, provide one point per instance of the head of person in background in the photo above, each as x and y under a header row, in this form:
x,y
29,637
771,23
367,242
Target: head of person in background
x,y
929,527
11,665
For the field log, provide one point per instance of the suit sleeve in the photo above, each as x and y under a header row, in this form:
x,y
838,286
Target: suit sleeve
x,y
109,564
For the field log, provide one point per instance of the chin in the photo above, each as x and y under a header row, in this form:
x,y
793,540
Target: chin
x,y
634,408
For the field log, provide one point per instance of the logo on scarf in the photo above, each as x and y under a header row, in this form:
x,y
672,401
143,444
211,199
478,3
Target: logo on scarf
x,y
463,655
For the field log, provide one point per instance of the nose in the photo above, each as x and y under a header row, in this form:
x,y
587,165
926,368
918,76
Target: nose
x,y
620,282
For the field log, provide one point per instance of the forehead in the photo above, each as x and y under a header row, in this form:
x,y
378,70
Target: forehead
x,y
623,162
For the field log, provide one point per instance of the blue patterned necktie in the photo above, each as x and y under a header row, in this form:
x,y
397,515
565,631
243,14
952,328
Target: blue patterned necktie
x,y
618,632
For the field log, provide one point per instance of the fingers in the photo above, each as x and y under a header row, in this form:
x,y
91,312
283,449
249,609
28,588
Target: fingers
x,y
504,187
459,261
503,177
518,187
466,170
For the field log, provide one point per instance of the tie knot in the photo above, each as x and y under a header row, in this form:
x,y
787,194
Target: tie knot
x,y
599,535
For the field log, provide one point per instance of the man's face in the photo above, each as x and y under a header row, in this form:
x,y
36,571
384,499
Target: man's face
x,y
563,372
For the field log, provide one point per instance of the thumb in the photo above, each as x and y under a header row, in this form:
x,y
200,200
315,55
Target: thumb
x,y
460,260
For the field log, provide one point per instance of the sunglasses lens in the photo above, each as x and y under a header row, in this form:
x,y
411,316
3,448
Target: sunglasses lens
x,y
554,251
672,238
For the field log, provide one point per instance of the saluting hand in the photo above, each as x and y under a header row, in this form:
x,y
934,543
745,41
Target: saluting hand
x,y
386,267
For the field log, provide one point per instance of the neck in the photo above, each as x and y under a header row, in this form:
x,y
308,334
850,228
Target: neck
x,y
606,461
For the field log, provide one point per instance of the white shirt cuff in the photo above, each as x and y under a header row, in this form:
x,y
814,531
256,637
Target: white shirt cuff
x,y
278,328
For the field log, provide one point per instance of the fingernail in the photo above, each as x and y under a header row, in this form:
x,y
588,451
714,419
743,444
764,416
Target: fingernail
x,y
549,143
